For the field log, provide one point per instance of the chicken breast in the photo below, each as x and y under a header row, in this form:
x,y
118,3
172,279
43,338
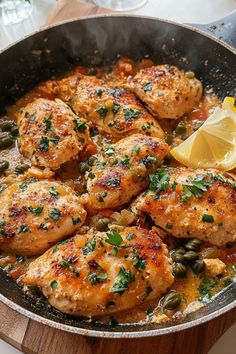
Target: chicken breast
x,y
36,214
50,133
103,273
166,90
191,203
112,110
121,171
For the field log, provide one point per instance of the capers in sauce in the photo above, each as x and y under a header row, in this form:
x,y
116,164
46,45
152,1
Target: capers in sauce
x,y
6,142
179,270
102,224
3,165
178,257
169,138
179,250
20,169
189,74
7,125
180,129
171,301
91,160
14,131
190,256
193,245
84,167
198,266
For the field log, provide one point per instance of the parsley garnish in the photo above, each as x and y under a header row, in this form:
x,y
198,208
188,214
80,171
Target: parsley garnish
x,y
99,92
91,175
115,108
23,186
44,144
147,126
55,139
159,181
79,125
43,227
148,160
89,246
169,226
125,161
48,122
136,149
20,259
76,220
53,191
137,261
207,218
35,211
55,214
147,87
95,278
53,284
130,113
123,279
23,228
109,150
114,238
32,117
102,111
113,182
206,286
195,187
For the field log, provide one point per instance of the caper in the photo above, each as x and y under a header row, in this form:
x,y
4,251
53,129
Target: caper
x,y
198,266
171,301
21,168
191,256
6,125
179,270
3,165
180,129
102,224
177,257
14,131
193,245
179,250
91,160
6,142
189,74
84,167
169,139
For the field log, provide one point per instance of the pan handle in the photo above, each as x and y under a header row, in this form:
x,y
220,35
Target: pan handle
x,y
224,29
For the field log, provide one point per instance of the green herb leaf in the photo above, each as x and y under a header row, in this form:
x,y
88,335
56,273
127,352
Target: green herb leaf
x,y
48,122
115,108
125,161
23,228
80,126
23,186
55,214
55,249
44,144
169,226
130,113
89,246
147,87
35,211
53,284
91,175
76,221
109,150
159,181
123,279
55,139
135,149
149,310
53,191
207,218
102,111
206,286
99,91
97,278
195,187
147,126
113,182
32,117
114,238
20,259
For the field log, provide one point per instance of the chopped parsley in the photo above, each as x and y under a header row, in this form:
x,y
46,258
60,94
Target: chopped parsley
x,y
115,108
113,182
44,144
138,262
208,218
95,278
53,191
89,246
79,125
148,160
130,236
102,111
169,226
115,92
99,91
76,221
136,149
23,228
35,211
48,122
114,238
55,139
149,310
91,175
159,181
125,161
55,214
147,87
195,187
109,150
130,113
32,117
23,186
53,284
102,197
123,279
206,286
20,259
55,249
93,131
43,227
147,126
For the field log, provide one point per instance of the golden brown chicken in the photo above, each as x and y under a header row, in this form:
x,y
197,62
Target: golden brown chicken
x,y
102,273
191,203
36,214
166,90
112,110
50,133
121,171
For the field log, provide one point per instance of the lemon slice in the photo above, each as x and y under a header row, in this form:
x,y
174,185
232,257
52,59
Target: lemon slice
x,y
213,145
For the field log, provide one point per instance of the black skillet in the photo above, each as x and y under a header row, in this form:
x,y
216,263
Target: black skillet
x,y
98,40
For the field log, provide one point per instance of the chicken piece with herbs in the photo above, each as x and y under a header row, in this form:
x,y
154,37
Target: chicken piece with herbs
x,y
36,214
114,111
102,273
167,91
191,203
50,133
121,170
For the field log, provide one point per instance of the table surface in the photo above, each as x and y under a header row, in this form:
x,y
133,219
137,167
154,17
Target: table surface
x,y
196,11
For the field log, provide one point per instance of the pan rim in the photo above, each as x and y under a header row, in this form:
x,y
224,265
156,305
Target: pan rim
x,y
119,334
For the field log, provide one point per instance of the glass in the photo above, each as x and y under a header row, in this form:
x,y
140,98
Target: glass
x,y
14,11
120,5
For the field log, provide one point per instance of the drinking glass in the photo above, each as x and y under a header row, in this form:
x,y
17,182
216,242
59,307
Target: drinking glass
x,y
14,11
120,5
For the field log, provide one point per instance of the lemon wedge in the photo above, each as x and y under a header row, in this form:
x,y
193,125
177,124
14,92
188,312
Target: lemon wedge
x,y
213,145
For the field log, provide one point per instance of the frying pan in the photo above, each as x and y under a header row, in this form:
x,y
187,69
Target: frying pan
x,y
97,40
